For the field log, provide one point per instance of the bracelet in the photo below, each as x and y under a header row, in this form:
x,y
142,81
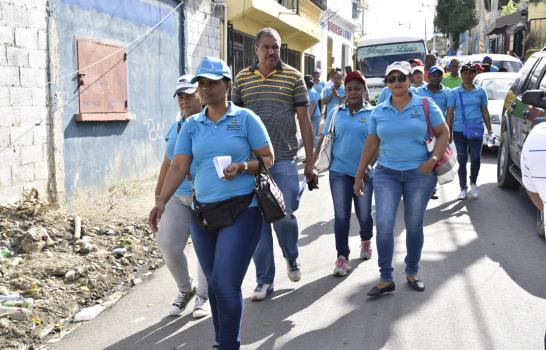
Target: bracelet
x,y
245,168
434,158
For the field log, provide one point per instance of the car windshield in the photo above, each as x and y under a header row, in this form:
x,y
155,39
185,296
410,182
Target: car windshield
x,y
373,60
510,66
497,88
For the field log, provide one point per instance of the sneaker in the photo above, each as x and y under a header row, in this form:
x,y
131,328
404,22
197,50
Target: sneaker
x,y
365,250
201,308
181,302
474,191
262,291
215,345
342,266
294,271
462,195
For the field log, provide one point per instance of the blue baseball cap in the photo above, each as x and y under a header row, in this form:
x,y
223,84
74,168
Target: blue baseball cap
x,y
487,59
212,68
435,69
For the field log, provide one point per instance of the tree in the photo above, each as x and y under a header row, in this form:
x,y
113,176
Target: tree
x,y
509,8
455,16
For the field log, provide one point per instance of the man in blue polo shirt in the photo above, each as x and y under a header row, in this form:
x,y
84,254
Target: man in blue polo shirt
x,y
333,96
489,61
467,108
434,89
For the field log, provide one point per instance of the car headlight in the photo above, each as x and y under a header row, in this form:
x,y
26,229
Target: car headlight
x,y
495,119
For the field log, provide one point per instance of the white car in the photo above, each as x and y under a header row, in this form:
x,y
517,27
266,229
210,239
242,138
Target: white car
x,y
496,85
511,63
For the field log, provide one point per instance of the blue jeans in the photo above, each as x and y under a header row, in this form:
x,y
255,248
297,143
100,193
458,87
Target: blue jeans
x,y
315,123
416,189
341,187
224,255
285,175
464,146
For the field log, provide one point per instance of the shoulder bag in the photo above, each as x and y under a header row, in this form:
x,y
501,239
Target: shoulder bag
x,y
470,131
446,167
325,154
269,196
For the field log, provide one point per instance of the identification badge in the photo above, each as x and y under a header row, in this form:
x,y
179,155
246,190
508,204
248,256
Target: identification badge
x,y
430,142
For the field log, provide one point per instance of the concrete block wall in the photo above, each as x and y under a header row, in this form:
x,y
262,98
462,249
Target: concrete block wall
x,y
23,106
202,32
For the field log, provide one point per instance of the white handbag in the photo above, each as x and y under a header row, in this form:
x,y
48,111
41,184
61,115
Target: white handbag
x,y
325,154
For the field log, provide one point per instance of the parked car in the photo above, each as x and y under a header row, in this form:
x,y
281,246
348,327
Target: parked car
x,y
497,86
520,116
511,63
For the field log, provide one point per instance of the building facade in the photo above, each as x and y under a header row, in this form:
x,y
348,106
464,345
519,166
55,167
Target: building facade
x,y
297,21
90,90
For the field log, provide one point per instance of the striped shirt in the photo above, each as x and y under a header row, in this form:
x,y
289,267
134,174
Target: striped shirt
x,y
274,99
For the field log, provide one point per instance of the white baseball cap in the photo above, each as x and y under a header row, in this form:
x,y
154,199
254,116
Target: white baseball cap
x,y
401,66
184,85
418,68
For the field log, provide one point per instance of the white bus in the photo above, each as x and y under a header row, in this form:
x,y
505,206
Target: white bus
x,y
374,54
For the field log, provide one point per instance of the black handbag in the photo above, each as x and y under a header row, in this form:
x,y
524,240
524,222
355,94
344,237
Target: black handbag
x,y
269,196
216,215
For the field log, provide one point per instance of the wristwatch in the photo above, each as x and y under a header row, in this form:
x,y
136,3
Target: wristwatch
x,y
246,167
434,158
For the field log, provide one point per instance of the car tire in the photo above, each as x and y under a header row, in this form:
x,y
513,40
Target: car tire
x,y
505,179
540,223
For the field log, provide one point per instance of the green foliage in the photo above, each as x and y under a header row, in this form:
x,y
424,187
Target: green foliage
x,y
501,4
455,16
509,8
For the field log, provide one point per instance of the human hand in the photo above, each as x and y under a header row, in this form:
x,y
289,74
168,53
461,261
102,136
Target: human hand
x,y
155,215
358,187
231,171
427,167
311,173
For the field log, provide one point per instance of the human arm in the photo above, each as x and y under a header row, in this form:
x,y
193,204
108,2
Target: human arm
x,y
265,152
162,173
442,139
306,130
449,122
487,119
177,171
368,154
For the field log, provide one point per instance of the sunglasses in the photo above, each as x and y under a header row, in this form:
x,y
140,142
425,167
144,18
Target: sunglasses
x,y
391,79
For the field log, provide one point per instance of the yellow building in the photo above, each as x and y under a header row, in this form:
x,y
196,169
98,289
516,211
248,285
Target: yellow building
x,y
537,24
297,21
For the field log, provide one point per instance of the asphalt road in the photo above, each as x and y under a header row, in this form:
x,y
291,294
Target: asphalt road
x,y
482,262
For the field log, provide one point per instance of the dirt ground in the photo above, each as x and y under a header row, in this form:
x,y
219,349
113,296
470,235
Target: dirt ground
x,y
48,273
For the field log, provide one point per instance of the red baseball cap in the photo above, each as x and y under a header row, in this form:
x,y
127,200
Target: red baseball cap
x,y
417,61
355,75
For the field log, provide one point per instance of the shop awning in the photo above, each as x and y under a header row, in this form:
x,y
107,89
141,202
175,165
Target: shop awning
x,y
510,23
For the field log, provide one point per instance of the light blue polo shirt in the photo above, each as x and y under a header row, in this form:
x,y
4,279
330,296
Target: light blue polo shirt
x,y
402,134
440,97
350,132
185,188
319,87
386,93
236,134
314,97
334,101
473,102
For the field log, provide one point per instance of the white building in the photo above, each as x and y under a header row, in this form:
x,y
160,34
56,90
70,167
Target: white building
x,y
338,23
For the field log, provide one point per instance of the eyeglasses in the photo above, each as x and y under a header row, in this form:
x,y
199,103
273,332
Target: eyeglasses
x,y
391,79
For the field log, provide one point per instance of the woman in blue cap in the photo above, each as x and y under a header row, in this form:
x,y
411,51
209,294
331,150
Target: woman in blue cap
x,y
174,229
226,225
398,130
350,129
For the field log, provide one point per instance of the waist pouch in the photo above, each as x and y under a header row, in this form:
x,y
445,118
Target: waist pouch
x,y
213,216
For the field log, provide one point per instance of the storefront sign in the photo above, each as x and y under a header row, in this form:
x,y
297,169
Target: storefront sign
x,y
391,49
334,28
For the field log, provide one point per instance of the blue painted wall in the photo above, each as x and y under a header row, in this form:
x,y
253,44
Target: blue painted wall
x,y
99,155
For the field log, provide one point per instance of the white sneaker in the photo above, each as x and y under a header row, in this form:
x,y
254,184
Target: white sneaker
x,y
365,250
342,266
261,291
462,195
294,271
201,308
474,191
181,301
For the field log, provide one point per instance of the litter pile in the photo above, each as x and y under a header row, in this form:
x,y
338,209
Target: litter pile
x,y
57,268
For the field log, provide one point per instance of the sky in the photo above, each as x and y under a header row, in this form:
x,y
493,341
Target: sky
x,y
399,17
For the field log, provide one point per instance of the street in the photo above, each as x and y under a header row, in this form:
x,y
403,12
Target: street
x,y
482,263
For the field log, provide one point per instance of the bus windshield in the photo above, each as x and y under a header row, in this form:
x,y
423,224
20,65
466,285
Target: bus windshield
x,y
373,60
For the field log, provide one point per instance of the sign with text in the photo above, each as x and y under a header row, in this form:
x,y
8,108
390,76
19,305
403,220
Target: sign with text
x,y
391,49
334,28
